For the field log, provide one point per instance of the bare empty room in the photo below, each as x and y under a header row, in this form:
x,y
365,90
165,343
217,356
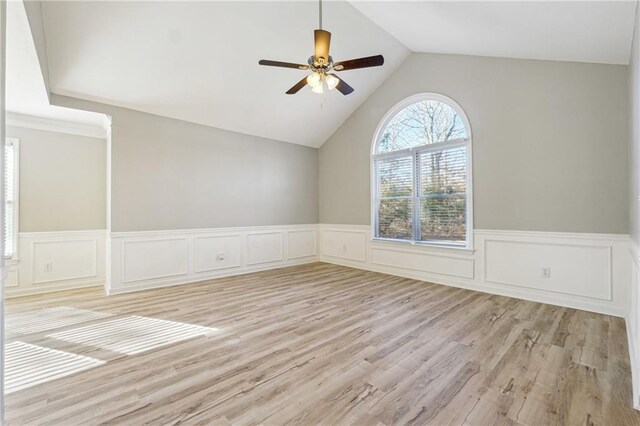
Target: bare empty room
x,y
320,212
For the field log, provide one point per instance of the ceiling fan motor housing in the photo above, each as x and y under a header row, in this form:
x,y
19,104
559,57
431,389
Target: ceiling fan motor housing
x,y
320,66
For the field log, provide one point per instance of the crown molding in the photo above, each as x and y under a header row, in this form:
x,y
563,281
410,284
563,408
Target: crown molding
x,y
54,125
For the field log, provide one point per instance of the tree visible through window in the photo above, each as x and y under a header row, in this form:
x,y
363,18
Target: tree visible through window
x,y
420,174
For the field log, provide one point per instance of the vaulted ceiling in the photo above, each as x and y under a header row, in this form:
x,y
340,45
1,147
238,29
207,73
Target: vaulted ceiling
x,y
26,91
198,61
577,30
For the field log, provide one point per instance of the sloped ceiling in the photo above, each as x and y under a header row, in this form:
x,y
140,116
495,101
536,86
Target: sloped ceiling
x,y
582,31
26,93
198,61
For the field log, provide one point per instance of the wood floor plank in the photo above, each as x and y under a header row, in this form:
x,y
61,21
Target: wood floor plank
x,y
322,344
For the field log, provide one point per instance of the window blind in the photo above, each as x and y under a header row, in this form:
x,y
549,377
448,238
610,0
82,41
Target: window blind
x,y
395,189
442,194
9,204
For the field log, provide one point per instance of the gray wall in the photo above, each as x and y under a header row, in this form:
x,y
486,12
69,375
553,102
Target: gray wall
x,y
549,142
62,181
171,174
634,136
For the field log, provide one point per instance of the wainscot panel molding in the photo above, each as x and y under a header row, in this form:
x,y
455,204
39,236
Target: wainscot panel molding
x,y
633,322
585,271
264,247
149,259
213,252
54,261
152,259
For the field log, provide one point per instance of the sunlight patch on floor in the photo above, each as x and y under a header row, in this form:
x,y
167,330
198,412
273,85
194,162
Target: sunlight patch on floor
x,y
132,335
50,319
28,365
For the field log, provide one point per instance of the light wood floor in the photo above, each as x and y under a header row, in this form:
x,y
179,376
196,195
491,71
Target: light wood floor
x,y
314,344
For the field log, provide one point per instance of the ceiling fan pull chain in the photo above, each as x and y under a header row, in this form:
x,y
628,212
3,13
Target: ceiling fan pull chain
x,y
324,99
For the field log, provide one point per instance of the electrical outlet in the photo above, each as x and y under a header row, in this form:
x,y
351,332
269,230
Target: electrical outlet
x,y
344,248
220,257
545,272
48,267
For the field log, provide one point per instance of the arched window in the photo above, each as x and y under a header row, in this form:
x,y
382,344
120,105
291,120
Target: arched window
x,y
421,163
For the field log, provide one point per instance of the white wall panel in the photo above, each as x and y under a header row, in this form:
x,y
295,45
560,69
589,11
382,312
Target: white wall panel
x,y
264,248
150,259
217,252
581,270
156,258
633,323
301,244
345,244
52,261
587,271
63,260
425,262
13,278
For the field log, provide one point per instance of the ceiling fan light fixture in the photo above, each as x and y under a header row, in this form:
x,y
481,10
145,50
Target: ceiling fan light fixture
x,y
319,89
332,81
314,80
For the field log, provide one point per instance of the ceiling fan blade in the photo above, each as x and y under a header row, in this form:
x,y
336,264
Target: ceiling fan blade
x,y
322,41
283,64
299,85
354,64
342,86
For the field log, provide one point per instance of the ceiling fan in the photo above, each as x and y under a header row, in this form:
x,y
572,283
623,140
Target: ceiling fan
x,y
322,67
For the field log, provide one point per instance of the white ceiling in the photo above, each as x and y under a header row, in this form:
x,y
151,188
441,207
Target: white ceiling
x,y
198,61
583,31
25,89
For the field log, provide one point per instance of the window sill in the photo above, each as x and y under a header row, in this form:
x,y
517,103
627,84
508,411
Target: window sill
x,y
11,262
423,246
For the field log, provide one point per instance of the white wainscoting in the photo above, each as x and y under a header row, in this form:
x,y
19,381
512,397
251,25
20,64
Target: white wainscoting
x,y
53,261
345,244
264,247
142,260
633,322
587,271
157,258
213,252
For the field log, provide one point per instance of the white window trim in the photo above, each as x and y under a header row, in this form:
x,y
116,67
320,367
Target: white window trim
x,y
468,142
16,202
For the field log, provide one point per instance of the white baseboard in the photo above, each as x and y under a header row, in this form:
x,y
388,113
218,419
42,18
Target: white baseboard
x,y
151,284
588,271
54,288
151,259
55,261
